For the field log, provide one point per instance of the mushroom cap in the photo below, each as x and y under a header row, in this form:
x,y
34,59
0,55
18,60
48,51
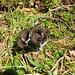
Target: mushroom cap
x,y
34,38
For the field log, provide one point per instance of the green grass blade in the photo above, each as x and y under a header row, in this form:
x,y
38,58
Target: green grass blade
x,y
49,72
35,64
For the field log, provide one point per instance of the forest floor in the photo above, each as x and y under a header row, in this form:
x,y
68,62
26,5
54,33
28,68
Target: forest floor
x,y
57,56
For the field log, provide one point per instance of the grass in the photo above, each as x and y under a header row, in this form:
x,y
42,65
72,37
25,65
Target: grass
x,y
24,63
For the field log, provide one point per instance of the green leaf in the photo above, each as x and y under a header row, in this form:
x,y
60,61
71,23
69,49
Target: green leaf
x,y
50,73
35,64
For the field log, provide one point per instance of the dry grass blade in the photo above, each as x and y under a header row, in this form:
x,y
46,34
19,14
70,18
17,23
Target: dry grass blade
x,y
70,62
55,72
68,67
57,63
67,57
66,72
6,62
50,55
0,62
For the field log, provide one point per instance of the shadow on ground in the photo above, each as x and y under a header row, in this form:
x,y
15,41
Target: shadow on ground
x,y
20,50
9,72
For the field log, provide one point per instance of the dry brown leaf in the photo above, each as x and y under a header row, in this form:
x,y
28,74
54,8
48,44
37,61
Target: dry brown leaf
x,y
62,41
66,72
26,9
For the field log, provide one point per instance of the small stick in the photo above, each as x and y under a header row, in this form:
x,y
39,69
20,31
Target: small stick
x,y
57,19
72,21
57,63
71,62
52,11
66,72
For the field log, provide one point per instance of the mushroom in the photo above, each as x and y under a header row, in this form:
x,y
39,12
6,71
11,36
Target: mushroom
x,y
35,38
24,38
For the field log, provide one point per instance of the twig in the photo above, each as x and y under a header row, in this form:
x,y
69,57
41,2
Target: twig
x,y
68,67
66,72
52,11
6,62
65,23
71,73
57,63
72,21
71,62
57,19
57,9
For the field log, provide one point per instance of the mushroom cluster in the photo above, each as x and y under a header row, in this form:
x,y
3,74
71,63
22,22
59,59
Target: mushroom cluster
x,y
34,38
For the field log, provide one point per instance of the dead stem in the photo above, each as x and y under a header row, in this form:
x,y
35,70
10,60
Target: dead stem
x,y
70,62
52,11
57,63
66,72
61,66
71,21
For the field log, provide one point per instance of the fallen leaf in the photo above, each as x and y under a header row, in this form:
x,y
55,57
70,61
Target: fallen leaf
x,y
26,9
62,41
